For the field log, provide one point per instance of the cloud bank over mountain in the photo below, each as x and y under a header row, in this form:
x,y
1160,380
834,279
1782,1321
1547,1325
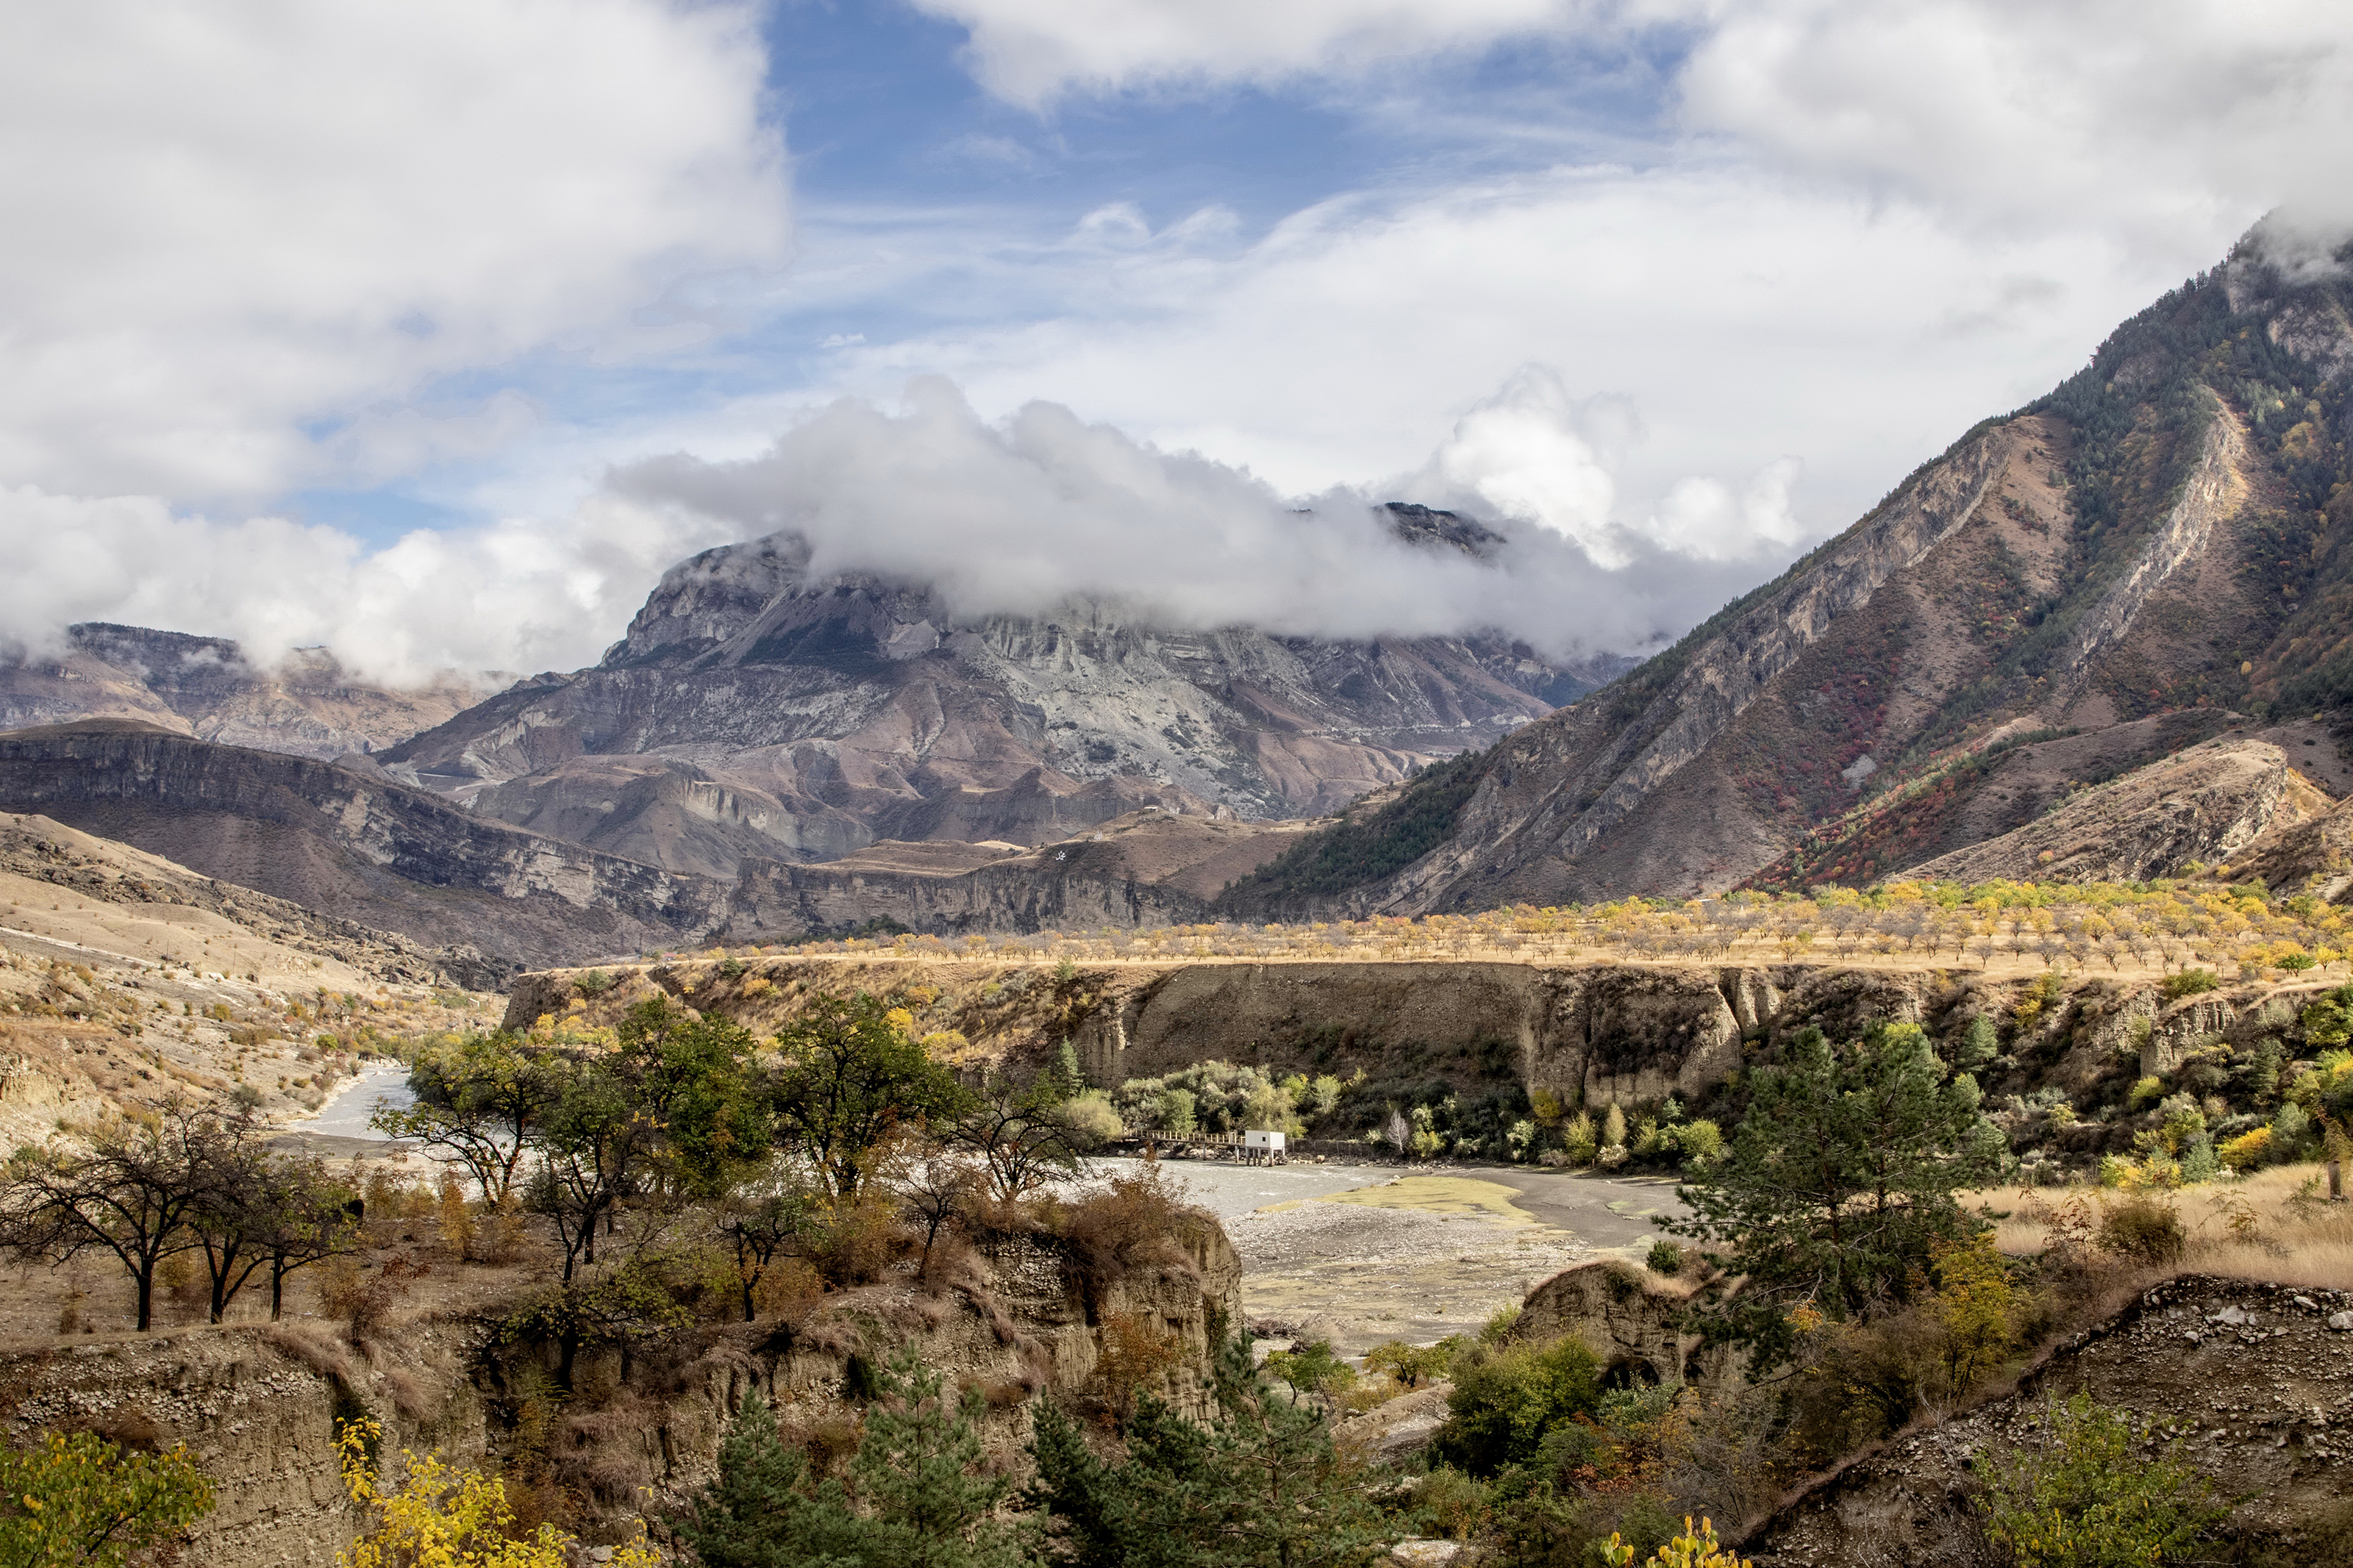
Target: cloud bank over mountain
x,y
1021,515
364,326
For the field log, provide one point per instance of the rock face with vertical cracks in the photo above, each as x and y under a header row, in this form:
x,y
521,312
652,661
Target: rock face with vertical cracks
x,y
1601,1033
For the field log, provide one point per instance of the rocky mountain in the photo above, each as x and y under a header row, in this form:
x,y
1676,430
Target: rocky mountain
x,y
354,844
309,706
754,712
2168,536
359,847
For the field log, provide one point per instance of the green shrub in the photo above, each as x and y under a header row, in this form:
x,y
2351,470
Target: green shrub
x,y
2189,982
1312,1368
1665,1258
2089,1497
1450,1504
1700,1142
1413,1365
2142,1230
1503,1404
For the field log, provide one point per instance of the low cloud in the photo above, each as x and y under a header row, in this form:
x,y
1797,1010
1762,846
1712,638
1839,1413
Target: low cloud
x,y
514,596
1022,516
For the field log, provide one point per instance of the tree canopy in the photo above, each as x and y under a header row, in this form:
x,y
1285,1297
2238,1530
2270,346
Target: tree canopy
x,y
1840,1182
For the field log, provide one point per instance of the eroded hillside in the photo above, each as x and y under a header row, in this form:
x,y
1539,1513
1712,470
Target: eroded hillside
x,y
2168,531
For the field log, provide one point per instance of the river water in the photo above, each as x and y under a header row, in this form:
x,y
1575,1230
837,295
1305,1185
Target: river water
x,y
347,1112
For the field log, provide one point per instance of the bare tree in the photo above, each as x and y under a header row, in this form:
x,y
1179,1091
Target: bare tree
x,y
766,1218
132,1195
1022,1135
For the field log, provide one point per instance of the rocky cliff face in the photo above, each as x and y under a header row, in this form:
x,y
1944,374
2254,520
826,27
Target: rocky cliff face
x,y
309,705
2169,532
357,847
798,719
2205,805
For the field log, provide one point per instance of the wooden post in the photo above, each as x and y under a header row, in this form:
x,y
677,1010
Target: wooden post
x,y
2335,1180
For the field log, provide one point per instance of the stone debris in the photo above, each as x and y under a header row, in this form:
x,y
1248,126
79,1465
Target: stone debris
x,y
1425,1553
2260,1399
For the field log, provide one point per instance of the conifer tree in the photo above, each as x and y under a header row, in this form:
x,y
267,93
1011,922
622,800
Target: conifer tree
x,y
915,1471
912,1503
1840,1182
763,1510
1260,1486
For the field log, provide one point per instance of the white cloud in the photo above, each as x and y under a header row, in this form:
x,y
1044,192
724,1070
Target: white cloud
x,y
512,596
1748,320
1529,453
1030,52
235,226
1021,516
2137,116
2143,117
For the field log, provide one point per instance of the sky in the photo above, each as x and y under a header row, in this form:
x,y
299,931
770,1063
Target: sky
x,y
434,333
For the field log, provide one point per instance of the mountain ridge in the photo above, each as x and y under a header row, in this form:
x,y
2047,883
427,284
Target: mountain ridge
x,y
2170,529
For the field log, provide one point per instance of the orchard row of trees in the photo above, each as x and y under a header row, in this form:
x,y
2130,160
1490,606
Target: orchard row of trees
x,y
2167,924
181,1179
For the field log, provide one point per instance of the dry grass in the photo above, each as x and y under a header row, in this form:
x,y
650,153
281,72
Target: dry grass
x,y
2273,1228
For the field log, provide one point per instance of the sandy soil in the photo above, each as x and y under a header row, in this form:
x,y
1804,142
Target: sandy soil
x,y
1363,1254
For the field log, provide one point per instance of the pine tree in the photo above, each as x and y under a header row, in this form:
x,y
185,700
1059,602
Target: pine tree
x,y
914,1468
1262,1486
913,1502
762,1511
1839,1184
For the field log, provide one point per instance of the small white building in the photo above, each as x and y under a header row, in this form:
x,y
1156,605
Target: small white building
x,y
1262,1148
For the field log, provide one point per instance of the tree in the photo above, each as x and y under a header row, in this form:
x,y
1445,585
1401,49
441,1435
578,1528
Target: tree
x,y
695,1080
915,1469
765,1218
1022,1135
310,1218
595,1148
764,1510
913,1497
621,1307
1503,1403
233,1217
1839,1185
132,1195
479,1101
1260,1486
76,1500
851,1079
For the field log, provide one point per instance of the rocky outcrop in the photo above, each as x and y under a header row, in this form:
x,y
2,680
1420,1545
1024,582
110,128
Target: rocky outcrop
x,y
2205,805
259,1406
2251,1375
2314,854
1632,1319
307,704
1591,1034
256,1406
